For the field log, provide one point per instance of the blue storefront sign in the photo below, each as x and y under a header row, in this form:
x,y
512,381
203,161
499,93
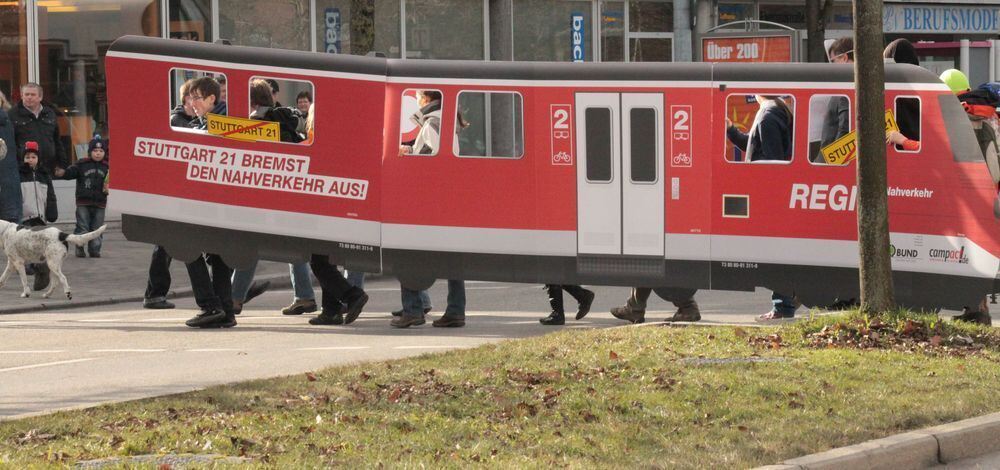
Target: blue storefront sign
x,y
331,38
578,38
946,19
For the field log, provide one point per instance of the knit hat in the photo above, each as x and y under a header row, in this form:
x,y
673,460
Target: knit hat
x,y
956,81
31,147
97,143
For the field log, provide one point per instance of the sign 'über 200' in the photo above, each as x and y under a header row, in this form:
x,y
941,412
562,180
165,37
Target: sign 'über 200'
x,y
747,49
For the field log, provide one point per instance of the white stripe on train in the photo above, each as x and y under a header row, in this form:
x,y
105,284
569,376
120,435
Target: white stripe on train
x,y
209,65
694,247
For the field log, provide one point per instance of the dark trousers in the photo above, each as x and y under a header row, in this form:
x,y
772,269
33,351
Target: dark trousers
x,y
556,295
215,290
336,289
159,275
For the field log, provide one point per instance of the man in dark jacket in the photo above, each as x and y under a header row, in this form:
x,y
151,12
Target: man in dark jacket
x,y
36,122
10,190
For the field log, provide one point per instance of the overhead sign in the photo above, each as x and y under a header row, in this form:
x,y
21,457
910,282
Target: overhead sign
x,y
944,19
243,129
331,25
845,149
747,49
578,51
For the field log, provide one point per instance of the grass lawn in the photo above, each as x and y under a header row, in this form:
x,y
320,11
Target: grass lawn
x,y
673,397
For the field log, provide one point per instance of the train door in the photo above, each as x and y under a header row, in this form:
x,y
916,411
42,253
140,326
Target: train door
x,y
619,140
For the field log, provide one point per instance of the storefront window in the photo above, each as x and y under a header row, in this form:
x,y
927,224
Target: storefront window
x,y
730,12
13,48
650,50
612,31
650,17
789,15
444,29
543,30
280,24
71,59
351,27
191,20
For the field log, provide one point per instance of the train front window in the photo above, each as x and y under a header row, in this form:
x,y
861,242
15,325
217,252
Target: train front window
x,y
831,141
489,125
598,144
194,94
908,117
760,127
420,122
643,144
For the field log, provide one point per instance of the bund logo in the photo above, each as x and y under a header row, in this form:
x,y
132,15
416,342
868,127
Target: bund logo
x,y
905,253
949,256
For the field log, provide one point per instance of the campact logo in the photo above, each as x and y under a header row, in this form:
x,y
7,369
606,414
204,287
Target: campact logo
x,y
949,256
902,252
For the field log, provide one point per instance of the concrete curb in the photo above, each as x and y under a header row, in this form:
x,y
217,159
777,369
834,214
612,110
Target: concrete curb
x,y
924,448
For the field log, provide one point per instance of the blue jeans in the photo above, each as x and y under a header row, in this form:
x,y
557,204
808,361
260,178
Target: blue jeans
x,y
355,278
88,219
414,302
243,278
301,282
783,304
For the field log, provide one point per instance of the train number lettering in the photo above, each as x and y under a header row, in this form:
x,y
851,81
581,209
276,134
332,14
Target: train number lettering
x,y
562,134
680,136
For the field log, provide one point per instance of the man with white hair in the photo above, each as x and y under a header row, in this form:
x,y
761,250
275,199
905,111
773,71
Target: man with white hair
x,y
35,122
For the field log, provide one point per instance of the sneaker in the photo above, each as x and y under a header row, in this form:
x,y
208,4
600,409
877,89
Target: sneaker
x,y
299,307
41,280
585,303
406,321
325,318
399,313
554,318
629,314
158,304
207,318
773,316
256,289
354,308
80,253
686,313
94,255
449,321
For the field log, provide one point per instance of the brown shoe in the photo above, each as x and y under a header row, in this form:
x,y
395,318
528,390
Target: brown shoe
x,y
686,313
447,321
299,307
629,314
406,321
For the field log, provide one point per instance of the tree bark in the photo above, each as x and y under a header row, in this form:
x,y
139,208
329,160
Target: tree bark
x,y
875,267
818,13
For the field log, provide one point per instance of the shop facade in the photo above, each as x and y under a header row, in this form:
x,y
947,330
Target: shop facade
x,y
61,43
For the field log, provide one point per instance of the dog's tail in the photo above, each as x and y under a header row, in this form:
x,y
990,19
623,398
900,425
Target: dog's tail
x,y
83,238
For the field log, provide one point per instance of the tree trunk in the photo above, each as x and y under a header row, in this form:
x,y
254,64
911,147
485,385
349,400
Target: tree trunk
x,y
818,13
873,210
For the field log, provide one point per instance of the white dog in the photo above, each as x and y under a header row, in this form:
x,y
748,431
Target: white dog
x,y
49,245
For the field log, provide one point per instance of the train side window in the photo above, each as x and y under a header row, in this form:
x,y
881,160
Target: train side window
x,y
908,116
420,122
289,103
760,132
643,144
193,95
598,144
489,125
830,120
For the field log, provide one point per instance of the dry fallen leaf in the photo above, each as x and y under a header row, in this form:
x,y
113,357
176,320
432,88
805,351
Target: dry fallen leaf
x,y
613,355
936,340
739,332
310,376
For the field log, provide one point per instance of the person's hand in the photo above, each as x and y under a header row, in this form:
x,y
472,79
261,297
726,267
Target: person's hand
x,y
894,137
59,172
405,149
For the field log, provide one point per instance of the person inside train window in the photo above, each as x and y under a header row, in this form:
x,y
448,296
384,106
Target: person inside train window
x,y
303,101
837,119
428,121
291,123
770,135
183,113
205,100
223,88
274,90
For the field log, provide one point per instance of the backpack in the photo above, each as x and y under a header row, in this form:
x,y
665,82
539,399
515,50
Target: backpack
x,y
288,120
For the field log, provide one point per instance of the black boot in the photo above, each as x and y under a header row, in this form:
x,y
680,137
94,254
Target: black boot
x,y
584,297
555,318
558,316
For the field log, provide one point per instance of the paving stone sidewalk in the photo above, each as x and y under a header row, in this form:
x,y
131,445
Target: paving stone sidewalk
x,y
118,276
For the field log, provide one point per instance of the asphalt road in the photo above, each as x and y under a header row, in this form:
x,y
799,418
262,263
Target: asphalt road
x,y
77,358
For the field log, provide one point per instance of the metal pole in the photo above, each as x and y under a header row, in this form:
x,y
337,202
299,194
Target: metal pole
x,y
682,31
963,57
